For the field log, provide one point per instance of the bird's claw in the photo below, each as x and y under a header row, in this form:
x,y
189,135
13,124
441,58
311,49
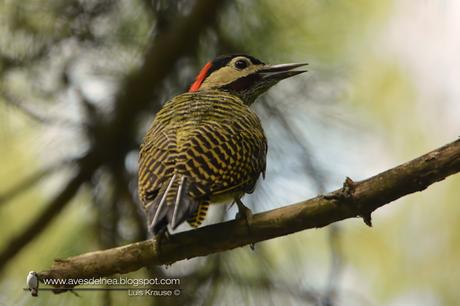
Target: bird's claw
x,y
246,214
162,236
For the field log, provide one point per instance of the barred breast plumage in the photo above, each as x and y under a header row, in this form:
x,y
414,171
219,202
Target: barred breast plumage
x,y
206,146
202,147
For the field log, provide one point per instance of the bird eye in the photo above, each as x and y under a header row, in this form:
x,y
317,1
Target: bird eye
x,y
241,64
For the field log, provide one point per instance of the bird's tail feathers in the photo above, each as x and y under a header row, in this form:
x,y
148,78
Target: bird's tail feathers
x,y
172,205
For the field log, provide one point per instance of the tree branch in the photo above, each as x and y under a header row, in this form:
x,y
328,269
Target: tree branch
x,y
355,199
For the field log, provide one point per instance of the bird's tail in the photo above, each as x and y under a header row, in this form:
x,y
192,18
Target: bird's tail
x,y
172,205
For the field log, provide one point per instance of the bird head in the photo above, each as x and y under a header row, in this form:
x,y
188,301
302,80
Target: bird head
x,y
242,75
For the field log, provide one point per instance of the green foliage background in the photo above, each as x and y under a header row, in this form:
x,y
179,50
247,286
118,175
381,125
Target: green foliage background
x,y
364,106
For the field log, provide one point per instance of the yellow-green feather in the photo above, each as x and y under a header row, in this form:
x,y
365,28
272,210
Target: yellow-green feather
x,y
212,138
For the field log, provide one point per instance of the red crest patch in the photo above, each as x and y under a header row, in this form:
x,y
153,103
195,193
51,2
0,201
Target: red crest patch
x,y
200,77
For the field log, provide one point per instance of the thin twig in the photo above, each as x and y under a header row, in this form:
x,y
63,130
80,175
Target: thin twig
x,y
32,180
35,115
52,210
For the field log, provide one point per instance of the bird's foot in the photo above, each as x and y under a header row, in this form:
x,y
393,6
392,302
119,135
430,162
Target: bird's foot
x,y
243,212
246,214
161,236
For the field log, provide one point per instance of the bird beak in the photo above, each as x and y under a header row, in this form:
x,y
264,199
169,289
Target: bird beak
x,y
281,71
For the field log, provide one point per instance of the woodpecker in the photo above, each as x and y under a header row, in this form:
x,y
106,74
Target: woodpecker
x,y
207,146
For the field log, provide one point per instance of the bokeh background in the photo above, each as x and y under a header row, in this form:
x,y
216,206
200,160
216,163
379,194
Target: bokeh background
x,y
77,93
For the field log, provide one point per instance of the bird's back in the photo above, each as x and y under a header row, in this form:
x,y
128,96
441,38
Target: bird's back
x,y
202,147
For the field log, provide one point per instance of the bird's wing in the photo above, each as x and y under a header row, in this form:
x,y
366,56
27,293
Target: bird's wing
x,y
161,190
198,147
223,157
156,161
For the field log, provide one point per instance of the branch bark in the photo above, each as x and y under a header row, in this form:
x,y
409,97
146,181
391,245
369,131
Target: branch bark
x,y
354,199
